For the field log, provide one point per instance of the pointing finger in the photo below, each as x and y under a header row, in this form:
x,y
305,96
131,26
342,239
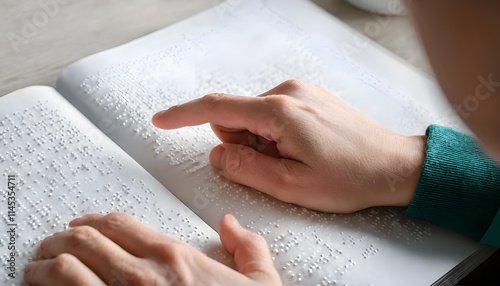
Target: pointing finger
x,y
255,114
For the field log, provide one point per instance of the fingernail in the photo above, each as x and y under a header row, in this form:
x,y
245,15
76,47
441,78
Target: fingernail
x,y
27,269
232,219
158,114
216,157
76,222
44,245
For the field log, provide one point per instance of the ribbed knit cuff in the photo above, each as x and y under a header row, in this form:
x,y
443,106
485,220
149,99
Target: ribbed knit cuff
x,y
459,187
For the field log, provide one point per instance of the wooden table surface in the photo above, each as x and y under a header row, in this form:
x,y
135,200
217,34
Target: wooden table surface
x,y
39,38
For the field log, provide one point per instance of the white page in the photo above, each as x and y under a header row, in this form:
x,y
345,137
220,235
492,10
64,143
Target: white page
x,y
247,48
64,167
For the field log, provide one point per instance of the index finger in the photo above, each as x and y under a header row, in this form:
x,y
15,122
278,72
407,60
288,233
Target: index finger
x,y
126,231
230,111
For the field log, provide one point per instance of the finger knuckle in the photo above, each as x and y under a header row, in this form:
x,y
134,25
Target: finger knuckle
x,y
174,109
233,164
61,264
175,252
82,236
148,278
172,253
292,84
287,182
132,276
174,257
254,241
285,178
280,103
114,221
258,240
210,101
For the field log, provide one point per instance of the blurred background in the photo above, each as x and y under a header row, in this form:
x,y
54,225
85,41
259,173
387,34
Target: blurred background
x,y
39,38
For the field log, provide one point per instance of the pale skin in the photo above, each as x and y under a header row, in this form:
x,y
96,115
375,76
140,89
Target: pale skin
x,y
298,143
117,249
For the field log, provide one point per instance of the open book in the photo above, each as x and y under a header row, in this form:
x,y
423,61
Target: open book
x,y
89,146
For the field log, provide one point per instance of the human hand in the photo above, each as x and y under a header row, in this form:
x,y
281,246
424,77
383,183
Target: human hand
x,y
117,249
303,145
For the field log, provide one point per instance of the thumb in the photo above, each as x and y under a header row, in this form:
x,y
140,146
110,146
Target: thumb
x,y
250,251
278,177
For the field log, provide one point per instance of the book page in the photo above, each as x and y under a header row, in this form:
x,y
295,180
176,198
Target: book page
x,y
246,48
56,166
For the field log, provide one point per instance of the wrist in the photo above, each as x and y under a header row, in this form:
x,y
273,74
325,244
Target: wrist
x,y
404,174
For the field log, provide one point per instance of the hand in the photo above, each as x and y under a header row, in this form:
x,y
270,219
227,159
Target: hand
x,y
116,249
303,145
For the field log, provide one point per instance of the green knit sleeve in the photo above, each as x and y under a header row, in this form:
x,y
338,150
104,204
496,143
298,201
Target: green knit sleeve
x,y
459,187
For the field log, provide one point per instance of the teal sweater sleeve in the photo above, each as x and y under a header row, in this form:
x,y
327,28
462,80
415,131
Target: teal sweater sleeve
x,y
459,187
